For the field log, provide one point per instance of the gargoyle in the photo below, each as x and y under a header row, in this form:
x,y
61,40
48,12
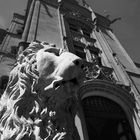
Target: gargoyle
x,y
40,100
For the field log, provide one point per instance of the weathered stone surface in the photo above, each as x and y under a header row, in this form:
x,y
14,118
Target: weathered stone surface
x,y
40,101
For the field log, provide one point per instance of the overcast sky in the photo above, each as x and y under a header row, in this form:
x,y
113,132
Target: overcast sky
x,y
127,30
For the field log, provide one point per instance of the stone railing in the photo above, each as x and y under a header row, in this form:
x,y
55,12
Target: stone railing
x,y
94,71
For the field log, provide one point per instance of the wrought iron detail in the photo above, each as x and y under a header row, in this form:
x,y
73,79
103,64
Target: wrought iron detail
x,y
92,72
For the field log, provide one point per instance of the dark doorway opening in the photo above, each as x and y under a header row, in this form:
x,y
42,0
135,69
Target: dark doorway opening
x,y
106,120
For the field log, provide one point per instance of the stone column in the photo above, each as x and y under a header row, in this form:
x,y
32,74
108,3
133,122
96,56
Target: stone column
x,y
34,23
28,22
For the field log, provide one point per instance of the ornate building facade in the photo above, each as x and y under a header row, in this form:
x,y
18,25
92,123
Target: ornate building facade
x,y
109,99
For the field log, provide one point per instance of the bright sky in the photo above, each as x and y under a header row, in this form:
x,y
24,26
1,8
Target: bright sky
x,y
127,30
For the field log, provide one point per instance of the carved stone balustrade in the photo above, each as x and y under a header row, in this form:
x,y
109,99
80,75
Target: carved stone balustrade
x,y
94,71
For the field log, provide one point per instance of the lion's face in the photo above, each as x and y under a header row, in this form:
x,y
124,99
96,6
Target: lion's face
x,y
59,74
41,95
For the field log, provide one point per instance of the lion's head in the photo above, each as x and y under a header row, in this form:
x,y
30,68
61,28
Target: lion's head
x,y
40,99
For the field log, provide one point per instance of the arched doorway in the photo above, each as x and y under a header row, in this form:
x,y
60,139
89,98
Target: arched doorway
x,y
105,119
107,112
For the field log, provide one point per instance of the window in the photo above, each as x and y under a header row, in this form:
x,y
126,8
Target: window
x,y
79,51
73,27
86,31
80,36
81,28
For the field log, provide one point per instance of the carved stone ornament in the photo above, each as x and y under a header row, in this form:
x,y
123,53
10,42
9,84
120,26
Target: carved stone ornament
x,y
40,100
94,71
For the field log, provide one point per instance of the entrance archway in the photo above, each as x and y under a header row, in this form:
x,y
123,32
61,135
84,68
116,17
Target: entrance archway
x,y
105,119
111,112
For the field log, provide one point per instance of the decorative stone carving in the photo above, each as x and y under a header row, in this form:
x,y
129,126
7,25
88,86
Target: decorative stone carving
x,y
40,100
94,71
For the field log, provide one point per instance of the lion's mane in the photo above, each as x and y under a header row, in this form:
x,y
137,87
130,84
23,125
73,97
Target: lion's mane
x,y
23,114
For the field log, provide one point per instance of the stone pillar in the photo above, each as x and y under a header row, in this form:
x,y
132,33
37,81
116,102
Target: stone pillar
x,y
34,22
28,22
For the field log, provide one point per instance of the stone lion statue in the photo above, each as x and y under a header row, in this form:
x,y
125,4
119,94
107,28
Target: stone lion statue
x,y
40,100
